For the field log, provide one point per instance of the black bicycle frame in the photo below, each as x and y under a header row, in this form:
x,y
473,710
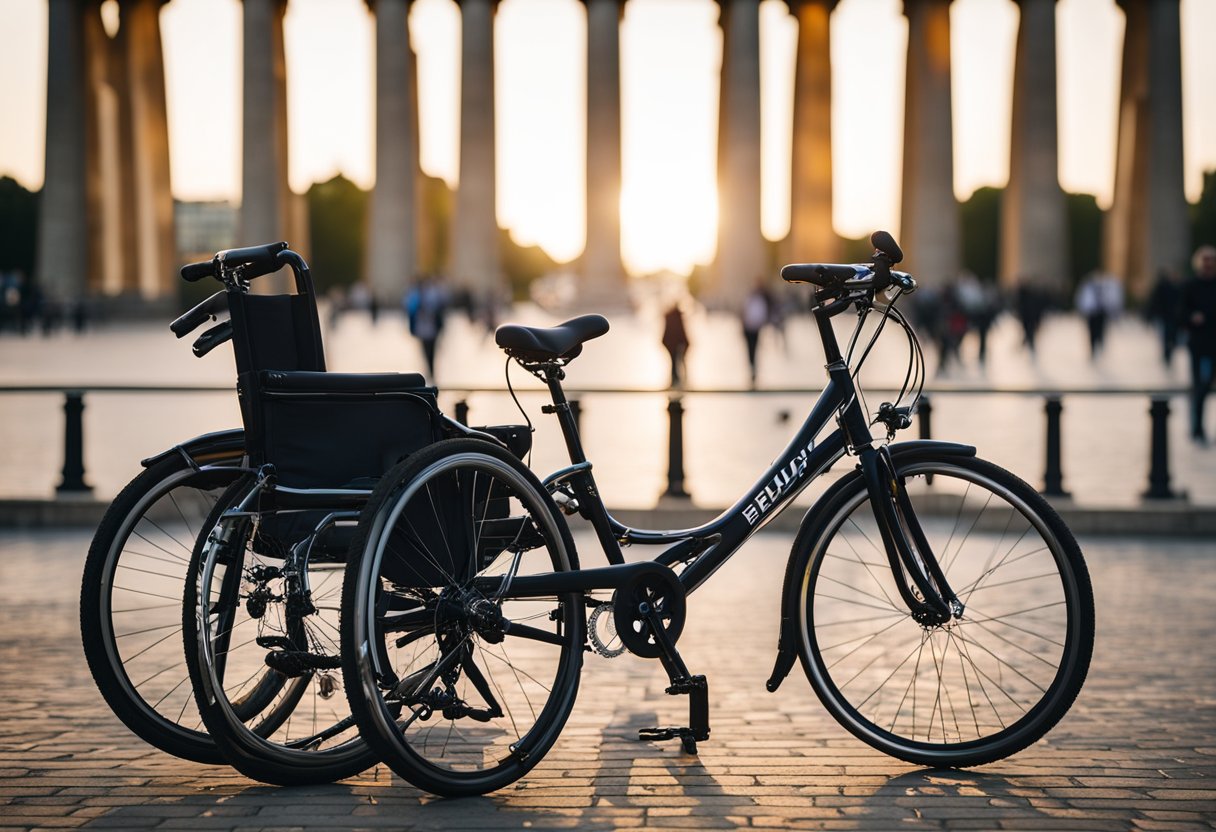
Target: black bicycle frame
x,y
705,548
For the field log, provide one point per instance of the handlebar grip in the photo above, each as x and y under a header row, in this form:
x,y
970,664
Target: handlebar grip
x,y
206,311
884,242
212,338
194,272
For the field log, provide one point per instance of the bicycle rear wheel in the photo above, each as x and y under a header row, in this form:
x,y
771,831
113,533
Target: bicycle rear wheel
x,y
130,600
977,688
461,687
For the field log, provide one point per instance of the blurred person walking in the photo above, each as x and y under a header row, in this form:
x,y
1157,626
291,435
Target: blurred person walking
x,y
425,306
757,313
1164,308
1199,316
1099,300
1031,303
675,341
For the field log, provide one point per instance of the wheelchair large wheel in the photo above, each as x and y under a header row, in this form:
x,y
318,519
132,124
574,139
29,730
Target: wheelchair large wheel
x,y
459,686
260,626
981,686
130,600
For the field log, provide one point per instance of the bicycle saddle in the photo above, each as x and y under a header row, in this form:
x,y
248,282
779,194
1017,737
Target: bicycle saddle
x,y
541,343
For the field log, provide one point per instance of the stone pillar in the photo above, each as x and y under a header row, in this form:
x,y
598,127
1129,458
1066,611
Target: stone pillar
x,y
475,258
110,202
742,256
812,237
265,195
602,275
391,243
155,252
929,227
1034,216
63,234
1147,227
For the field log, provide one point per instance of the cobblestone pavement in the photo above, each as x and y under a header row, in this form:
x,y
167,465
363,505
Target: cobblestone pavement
x,y
1138,751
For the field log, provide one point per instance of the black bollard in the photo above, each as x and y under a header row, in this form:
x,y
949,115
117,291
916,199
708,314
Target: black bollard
x,y
1053,476
924,417
462,412
675,449
73,445
1159,452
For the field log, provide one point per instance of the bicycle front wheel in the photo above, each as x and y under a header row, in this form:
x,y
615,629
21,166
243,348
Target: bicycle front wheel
x,y
459,685
981,686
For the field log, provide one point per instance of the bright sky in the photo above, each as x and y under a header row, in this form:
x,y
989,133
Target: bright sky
x,y
671,51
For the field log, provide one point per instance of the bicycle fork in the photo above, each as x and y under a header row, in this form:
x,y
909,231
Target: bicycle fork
x,y
929,599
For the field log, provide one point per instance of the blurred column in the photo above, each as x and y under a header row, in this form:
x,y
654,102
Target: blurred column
x,y
155,253
741,250
265,195
1034,217
603,277
392,248
63,238
475,260
110,185
929,225
812,237
1147,227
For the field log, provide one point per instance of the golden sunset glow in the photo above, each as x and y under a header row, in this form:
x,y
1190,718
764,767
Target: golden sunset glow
x,y
670,58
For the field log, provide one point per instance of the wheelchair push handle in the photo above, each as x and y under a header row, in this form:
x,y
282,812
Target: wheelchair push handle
x,y
235,267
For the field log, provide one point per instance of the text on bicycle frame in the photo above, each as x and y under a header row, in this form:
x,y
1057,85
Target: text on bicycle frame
x,y
781,483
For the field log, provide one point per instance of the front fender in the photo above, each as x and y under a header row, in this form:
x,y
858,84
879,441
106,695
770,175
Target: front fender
x,y
787,639
209,447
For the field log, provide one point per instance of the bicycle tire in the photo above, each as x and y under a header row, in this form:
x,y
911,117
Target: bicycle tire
x,y
288,729
502,689
144,684
893,683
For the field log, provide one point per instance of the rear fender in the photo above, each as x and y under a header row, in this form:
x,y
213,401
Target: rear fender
x,y
787,641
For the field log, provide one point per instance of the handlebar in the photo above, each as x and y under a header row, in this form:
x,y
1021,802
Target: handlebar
x,y
839,280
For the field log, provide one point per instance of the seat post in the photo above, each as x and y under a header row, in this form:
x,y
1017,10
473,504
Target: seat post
x,y
565,414
591,505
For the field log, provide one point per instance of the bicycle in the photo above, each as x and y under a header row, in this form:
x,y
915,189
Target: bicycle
x,y
940,608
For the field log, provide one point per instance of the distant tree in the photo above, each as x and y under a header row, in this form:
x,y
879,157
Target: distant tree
x,y
1203,213
337,221
522,264
18,226
1084,235
855,251
437,203
980,217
